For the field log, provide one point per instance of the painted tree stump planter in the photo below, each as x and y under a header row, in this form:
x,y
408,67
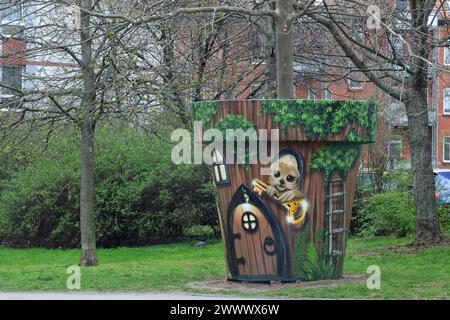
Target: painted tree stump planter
x,y
264,240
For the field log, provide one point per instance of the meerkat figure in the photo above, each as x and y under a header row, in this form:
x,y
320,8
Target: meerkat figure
x,y
284,182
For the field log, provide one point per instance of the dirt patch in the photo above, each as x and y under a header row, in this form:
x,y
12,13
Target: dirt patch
x,y
221,284
412,249
399,249
366,252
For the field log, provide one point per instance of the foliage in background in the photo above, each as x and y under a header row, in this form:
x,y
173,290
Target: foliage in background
x,y
444,217
204,111
141,197
389,213
392,211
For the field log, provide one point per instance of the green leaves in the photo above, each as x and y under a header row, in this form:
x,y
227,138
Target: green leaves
x,y
204,111
236,122
320,118
335,157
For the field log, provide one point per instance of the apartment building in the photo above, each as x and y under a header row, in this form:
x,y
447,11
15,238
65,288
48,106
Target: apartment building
x,y
21,66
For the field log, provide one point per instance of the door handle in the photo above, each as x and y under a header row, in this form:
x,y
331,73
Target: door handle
x,y
268,242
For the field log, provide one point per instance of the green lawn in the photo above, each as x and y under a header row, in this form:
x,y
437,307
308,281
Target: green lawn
x,y
424,274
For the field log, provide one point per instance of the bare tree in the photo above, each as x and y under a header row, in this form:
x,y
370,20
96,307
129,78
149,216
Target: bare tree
x,y
405,78
98,68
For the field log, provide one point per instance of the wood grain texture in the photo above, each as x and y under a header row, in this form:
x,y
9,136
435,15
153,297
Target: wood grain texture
x,y
313,185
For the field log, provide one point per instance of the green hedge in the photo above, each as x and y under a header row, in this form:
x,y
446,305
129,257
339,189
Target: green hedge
x,y
141,197
391,213
388,213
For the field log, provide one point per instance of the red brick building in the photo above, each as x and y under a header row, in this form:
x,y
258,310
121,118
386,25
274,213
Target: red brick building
x,y
309,87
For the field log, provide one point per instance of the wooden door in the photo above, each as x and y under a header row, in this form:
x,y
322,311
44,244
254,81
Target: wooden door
x,y
254,242
257,246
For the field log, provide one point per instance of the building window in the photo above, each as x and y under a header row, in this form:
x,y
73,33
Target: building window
x,y
256,91
11,11
328,94
401,5
447,101
446,149
397,46
359,32
355,80
311,94
396,147
220,169
447,55
11,18
11,80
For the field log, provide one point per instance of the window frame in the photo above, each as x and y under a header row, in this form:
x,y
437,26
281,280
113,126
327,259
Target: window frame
x,y
443,149
446,54
314,94
16,24
396,141
328,92
221,167
4,92
18,20
360,83
445,99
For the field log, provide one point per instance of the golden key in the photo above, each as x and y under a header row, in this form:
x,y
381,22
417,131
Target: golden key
x,y
260,187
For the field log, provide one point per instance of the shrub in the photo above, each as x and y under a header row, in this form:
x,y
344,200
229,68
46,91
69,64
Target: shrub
x,y
444,217
141,197
388,213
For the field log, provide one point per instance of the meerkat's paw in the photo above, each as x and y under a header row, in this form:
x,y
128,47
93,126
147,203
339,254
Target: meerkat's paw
x,y
291,195
299,195
287,196
271,191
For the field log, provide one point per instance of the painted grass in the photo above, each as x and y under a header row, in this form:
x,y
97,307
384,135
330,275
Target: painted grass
x,y
422,275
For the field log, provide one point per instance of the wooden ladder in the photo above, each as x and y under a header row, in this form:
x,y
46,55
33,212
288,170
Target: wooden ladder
x,y
336,206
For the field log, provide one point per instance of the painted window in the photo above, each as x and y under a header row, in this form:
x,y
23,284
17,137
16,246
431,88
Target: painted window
x,y
220,169
11,80
355,80
249,222
446,149
447,101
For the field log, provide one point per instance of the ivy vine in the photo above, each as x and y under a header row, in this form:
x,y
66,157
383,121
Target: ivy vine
x,y
335,157
321,118
318,118
236,122
338,156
